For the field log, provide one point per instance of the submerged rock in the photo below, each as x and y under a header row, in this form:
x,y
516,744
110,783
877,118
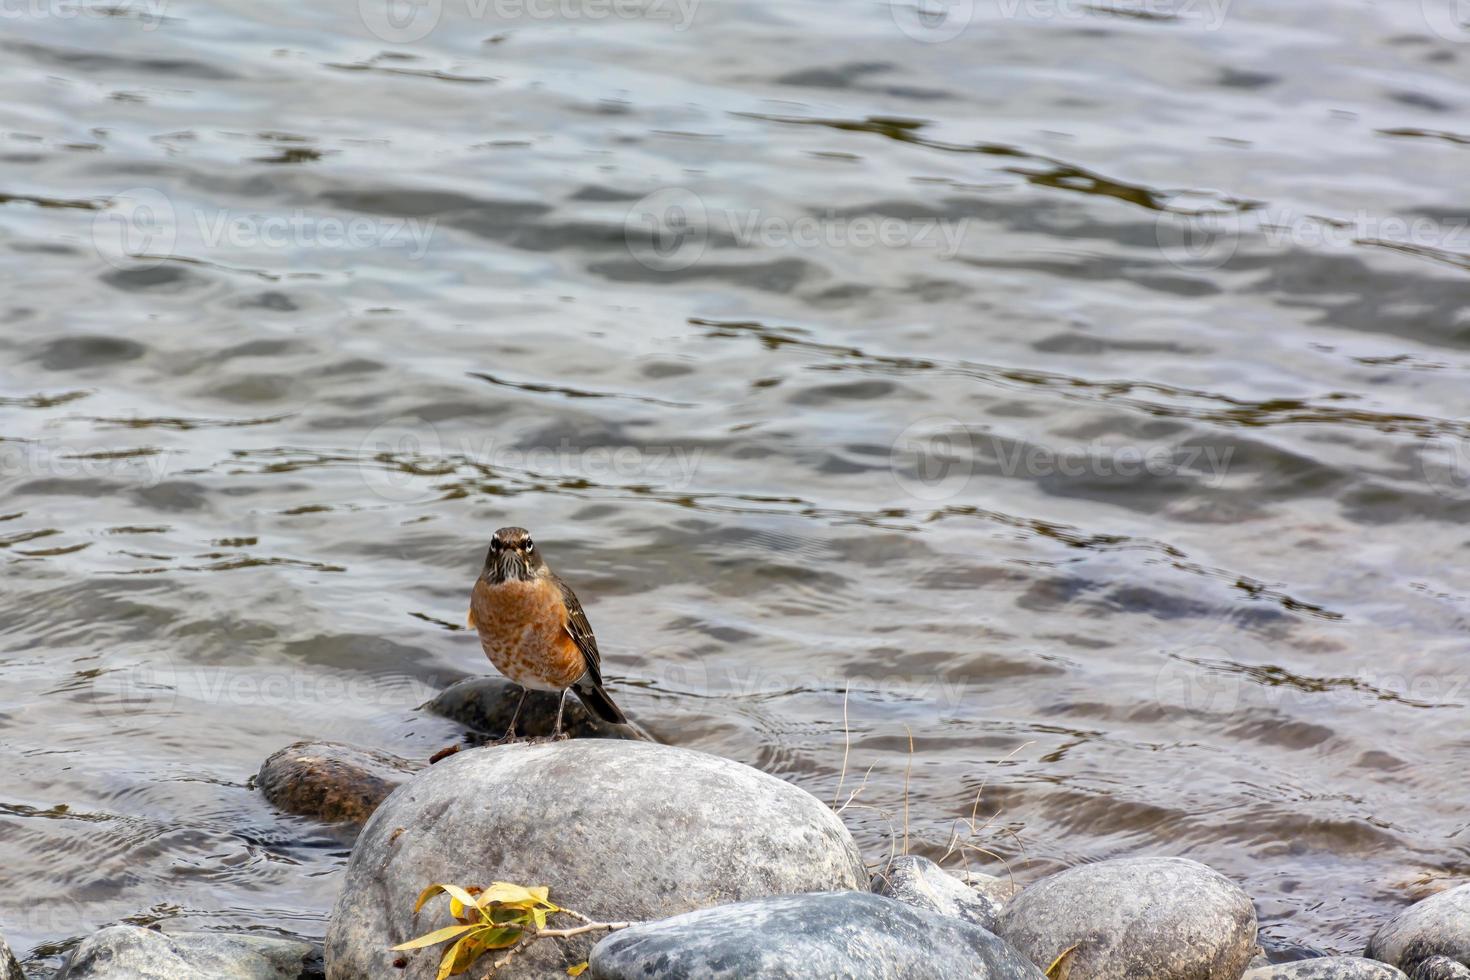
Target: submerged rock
x,y
486,704
9,965
1437,926
852,935
919,882
1160,918
131,953
1327,968
619,830
330,781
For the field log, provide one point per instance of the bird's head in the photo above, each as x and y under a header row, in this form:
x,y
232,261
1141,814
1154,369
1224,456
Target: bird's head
x,y
512,556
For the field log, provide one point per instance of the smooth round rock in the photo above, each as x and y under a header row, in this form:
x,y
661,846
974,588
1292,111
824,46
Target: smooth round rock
x,y
1437,926
1155,918
618,830
919,882
1327,968
330,781
847,935
486,705
131,953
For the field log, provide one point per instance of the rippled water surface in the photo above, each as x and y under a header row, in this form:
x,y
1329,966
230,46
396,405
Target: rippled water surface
x,y
1070,396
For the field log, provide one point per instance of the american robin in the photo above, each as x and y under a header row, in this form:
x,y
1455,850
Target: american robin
x,y
533,628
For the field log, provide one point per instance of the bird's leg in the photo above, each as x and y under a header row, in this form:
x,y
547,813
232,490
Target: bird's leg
x,y
510,730
556,732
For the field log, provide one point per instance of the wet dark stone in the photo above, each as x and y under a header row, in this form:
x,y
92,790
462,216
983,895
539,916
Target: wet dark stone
x,y
486,704
853,935
331,782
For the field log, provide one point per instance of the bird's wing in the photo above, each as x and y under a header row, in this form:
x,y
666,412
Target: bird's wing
x,y
580,631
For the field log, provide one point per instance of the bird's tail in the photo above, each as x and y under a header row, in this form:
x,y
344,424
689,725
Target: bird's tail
x,y
596,698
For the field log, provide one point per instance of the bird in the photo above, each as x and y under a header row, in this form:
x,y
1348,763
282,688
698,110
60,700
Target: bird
x,y
534,631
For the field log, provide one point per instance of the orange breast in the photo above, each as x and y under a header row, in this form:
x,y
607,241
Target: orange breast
x,y
522,627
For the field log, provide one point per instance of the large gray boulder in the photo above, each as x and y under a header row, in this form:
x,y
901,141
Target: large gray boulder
x,y
1437,926
131,953
1327,968
1135,919
619,830
847,935
9,965
919,882
330,781
487,704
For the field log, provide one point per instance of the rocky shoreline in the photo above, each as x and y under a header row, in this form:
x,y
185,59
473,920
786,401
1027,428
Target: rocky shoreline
x,y
682,864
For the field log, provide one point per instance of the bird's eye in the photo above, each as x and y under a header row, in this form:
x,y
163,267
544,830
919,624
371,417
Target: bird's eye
x,y
529,546
495,544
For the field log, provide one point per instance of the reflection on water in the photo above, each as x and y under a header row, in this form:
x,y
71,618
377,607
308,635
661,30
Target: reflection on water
x,y
1072,393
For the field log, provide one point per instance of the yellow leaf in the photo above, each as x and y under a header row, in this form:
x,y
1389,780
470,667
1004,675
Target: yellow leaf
x,y
425,895
458,899
539,914
437,936
448,964
576,971
1060,967
509,894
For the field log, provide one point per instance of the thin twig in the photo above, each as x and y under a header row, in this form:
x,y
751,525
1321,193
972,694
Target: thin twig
x,y
907,772
846,746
